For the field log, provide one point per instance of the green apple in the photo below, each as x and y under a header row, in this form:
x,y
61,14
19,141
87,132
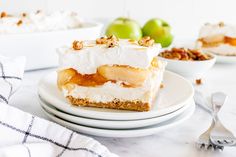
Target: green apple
x,y
124,28
159,30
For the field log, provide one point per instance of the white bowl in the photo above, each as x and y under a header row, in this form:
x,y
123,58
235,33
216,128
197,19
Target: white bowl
x,y
189,69
39,48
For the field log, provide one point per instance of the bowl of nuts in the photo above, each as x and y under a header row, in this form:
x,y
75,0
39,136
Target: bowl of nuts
x,y
189,63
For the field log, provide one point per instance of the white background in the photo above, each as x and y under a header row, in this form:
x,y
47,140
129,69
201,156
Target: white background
x,y
185,16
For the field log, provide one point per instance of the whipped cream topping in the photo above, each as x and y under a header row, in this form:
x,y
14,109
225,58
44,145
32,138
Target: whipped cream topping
x,y
39,22
88,59
110,91
216,29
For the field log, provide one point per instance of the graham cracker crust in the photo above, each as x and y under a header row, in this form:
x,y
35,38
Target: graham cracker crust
x,y
115,104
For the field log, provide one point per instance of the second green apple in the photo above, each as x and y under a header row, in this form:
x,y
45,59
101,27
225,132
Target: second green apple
x,y
159,30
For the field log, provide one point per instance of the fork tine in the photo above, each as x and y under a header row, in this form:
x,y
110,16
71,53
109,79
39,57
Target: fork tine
x,y
220,148
210,147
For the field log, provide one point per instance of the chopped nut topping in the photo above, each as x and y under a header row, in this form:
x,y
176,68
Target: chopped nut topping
x,y
198,81
19,22
77,45
111,43
146,41
162,85
3,14
38,11
134,42
185,54
24,14
131,40
112,37
102,40
221,24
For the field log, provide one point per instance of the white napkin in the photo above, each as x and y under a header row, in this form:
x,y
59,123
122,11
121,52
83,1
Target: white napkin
x,y
22,134
22,150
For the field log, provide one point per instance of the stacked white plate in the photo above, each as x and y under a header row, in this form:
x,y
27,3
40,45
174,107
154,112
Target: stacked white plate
x,y
174,105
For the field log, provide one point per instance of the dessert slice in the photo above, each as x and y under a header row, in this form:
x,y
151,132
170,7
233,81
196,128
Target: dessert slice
x,y
219,39
111,73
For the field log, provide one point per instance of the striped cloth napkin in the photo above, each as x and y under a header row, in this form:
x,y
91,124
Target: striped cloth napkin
x,y
25,135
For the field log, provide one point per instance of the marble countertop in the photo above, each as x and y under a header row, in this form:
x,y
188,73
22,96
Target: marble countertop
x,y
178,141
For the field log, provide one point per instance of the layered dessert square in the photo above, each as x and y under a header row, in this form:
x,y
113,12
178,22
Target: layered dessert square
x,y
111,73
219,39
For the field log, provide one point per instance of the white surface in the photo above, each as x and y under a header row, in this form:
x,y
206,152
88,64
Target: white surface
x,y
124,133
92,56
180,139
185,15
40,48
169,99
109,124
193,69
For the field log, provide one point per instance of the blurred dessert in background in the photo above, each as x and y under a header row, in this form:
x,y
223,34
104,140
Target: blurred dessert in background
x,y
218,38
111,73
38,22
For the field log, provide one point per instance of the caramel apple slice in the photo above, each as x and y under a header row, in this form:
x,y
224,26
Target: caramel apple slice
x,y
64,77
231,41
133,76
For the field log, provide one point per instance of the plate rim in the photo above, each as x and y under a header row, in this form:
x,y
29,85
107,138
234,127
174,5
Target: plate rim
x,y
125,133
106,115
108,124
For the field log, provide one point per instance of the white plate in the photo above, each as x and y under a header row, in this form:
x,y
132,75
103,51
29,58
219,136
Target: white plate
x,y
189,69
128,132
108,124
176,93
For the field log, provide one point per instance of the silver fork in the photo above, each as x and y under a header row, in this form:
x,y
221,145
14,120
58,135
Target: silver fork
x,y
220,135
204,141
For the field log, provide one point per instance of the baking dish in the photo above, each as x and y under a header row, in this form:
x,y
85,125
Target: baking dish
x,y
39,48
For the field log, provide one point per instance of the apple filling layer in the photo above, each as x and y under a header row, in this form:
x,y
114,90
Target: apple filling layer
x,y
214,41
130,77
